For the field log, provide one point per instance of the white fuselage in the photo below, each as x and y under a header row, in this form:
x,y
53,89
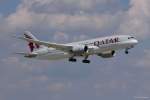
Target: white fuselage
x,y
96,46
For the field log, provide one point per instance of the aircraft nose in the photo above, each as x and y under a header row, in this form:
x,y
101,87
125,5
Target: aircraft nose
x,y
135,41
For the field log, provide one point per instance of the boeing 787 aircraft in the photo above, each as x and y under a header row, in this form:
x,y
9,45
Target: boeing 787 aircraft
x,y
104,47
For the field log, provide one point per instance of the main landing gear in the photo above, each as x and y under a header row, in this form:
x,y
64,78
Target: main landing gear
x,y
72,60
83,61
86,61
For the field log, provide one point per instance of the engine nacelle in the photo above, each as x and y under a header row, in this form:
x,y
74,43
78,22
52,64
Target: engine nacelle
x,y
109,54
78,48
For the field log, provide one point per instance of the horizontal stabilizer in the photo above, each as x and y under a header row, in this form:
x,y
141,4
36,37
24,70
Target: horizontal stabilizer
x,y
28,55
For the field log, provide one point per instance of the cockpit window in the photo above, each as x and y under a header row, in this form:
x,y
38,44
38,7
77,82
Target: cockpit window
x,y
130,37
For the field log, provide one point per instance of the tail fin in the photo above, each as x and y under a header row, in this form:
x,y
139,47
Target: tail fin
x,y
31,45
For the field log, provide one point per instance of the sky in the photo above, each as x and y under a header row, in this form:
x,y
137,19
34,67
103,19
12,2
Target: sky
x,y
124,77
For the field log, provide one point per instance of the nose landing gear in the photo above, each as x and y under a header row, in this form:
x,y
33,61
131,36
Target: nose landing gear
x,y
127,51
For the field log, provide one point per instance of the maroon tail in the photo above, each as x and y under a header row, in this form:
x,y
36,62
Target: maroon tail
x,y
31,45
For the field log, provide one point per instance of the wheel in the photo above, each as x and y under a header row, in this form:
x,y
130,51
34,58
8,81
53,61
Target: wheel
x,y
126,52
86,61
72,60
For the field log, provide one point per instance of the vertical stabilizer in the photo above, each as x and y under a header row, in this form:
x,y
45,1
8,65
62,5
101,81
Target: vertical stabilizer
x,y
32,46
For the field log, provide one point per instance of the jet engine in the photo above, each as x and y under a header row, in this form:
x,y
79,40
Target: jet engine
x,y
80,49
108,54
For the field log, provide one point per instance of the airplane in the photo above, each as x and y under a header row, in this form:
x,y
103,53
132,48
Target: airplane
x,y
104,47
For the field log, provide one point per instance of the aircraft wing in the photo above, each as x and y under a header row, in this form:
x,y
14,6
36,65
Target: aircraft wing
x,y
61,47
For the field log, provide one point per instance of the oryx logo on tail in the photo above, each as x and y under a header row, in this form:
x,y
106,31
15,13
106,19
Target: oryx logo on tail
x,y
32,46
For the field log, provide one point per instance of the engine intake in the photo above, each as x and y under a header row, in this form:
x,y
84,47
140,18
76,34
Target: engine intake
x,y
109,54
